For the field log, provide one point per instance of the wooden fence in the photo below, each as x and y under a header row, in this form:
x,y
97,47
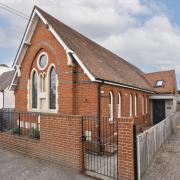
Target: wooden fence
x,y
149,142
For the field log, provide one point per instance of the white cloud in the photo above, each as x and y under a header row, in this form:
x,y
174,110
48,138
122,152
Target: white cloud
x,y
133,6
116,24
155,43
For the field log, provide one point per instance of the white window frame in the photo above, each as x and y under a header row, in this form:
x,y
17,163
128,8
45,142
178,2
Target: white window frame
x,y
39,56
40,94
110,106
135,105
30,91
146,105
130,106
159,83
48,89
119,105
143,105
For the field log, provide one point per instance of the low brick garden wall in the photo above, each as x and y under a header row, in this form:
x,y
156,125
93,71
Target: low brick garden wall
x,y
60,141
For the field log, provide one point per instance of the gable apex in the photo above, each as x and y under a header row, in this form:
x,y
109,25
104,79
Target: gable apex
x,y
112,69
25,43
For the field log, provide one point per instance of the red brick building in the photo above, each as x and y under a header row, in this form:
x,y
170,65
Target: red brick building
x,y
61,71
164,102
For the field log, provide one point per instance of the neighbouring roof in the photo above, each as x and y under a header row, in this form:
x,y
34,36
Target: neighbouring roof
x,y
4,65
4,68
6,79
100,62
168,78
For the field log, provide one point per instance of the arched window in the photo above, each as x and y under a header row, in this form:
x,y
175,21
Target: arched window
x,y
41,82
44,83
34,90
119,105
146,105
142,104
110,106
131,106
52,84
136,105
42,60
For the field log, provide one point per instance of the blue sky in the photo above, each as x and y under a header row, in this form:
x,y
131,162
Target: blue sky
x,y
144,32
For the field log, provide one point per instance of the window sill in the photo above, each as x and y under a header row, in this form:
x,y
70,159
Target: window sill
x,y
111,122
43,111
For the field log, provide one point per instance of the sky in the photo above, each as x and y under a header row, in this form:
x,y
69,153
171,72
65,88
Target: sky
x,y
144,32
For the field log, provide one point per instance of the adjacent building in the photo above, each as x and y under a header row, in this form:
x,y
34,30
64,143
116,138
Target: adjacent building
x,y
7,98
164,102
59,70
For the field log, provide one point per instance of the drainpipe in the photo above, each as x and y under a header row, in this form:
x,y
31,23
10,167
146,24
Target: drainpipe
x,y
99,115
3,99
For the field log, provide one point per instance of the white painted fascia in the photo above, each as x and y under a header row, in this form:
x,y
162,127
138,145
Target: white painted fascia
x,y
67,49
129,87
51,29
163,96
12,82
24,41
86,71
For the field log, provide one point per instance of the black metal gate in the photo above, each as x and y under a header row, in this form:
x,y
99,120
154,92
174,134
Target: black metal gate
x,y
100,140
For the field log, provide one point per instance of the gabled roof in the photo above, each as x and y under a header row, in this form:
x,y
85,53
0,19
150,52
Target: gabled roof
x,y
97,61
4,68
6,79
169,85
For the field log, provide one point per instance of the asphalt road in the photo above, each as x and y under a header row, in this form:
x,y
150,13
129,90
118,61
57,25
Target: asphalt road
x,y
15,166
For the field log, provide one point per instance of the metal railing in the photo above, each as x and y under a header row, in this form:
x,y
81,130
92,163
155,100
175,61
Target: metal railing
x,y
100,137
20,123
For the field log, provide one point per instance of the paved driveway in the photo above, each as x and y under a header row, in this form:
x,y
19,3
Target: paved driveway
x,y
166,164
14,166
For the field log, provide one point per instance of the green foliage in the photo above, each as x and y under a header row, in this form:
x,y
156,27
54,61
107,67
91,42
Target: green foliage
x,y
34,133
15,130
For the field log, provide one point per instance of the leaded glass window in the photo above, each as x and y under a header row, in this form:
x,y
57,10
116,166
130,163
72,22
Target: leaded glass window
x,y
52,88
119,105
34,90
43,61
110,106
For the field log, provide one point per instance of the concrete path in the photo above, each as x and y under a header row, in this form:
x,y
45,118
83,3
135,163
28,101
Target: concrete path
x,y
14,166
166,163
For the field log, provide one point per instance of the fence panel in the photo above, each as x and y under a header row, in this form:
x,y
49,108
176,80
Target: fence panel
x,y
151,140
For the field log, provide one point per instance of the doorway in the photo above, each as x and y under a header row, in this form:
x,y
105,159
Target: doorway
x,y
158,110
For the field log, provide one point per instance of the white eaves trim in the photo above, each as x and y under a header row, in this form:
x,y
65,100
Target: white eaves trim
x,y
129,87
163,96
68,50
52,30
91,77
59,39
13,80
26,39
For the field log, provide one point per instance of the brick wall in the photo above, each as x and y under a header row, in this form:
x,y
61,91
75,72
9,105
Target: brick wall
x,y
77,95
126,157
60,141
140,119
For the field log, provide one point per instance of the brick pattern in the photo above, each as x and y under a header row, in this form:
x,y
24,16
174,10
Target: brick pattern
x,y
76,94
125,149
141,119
60,141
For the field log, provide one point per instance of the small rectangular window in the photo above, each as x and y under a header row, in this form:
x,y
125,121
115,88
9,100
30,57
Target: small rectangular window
x,y
159,83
